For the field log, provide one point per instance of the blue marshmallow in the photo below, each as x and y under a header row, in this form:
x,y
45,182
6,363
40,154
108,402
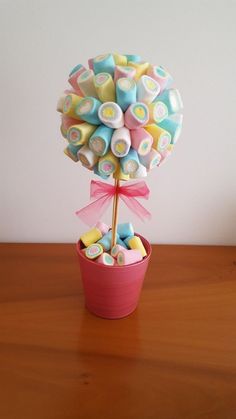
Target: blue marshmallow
x,y
172,99
126,241
130,163
76,68
98,173
100,140
104,64
125,230
121,243
134,58
105,241
173,126
126,92
87,110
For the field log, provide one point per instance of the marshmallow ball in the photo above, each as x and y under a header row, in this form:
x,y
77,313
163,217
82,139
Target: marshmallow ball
x,y
121,117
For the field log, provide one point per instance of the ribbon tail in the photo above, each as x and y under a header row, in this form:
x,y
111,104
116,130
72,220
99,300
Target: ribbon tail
x,y
136,207
94,211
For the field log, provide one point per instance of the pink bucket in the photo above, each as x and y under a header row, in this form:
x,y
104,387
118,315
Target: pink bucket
x,y
112,292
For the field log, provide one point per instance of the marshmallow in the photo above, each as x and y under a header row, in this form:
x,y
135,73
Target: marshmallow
x,y
90,63
160,75
121,243
136,243
127,257
140,67
86,83
120,142
105,87
120,59
102,227
130,162
105,241
141,141
96,172
147,89
60,102
79,134
87,110
158,111
99,141
162,140
93,251
166,153
67,122
116,249
151,159
136,116
140,173
125,230
124,72
173,125
104,63
73,76
108,164
111,115
118,174
71,151
87,157
126,241
69,105
91,236
125,92
63,131
132,57
172,99
106,259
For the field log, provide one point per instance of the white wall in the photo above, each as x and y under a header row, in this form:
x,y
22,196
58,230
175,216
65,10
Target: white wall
x,y
193,195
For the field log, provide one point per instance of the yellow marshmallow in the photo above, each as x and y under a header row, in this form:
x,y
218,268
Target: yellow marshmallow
x,y
136,243
92,236
105,87
156,133
69,105
120,59
120,175
79,134
141,68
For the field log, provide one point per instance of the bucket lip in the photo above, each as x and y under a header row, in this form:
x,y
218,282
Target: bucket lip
x,y
149,252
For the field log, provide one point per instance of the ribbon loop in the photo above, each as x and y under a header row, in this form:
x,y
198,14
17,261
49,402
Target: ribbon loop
x,y
104,193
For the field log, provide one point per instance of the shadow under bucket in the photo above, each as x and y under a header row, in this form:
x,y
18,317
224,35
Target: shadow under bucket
x,y
112,292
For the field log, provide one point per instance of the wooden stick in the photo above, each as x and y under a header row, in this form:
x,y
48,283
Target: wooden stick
x,y
115,214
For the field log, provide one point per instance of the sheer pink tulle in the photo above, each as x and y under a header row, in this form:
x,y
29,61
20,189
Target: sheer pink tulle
x,y
104,193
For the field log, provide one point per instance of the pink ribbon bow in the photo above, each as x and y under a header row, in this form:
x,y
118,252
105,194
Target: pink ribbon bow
x,y
104,193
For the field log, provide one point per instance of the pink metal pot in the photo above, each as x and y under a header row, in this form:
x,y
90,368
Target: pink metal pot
x,y
112,292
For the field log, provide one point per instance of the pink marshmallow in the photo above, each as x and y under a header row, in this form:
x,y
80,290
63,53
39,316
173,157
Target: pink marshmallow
x,y
116,249
67,122
159,74
73,80
127,257
151,159
121,71
106,259
90,63
102,227
132,118
141,141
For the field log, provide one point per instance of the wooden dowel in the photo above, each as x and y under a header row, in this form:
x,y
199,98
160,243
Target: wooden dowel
x,y
115,214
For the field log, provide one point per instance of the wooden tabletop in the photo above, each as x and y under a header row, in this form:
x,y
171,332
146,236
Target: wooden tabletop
x,y
173,358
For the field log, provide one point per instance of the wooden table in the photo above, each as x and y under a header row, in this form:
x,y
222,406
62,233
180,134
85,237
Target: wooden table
x,y
174,358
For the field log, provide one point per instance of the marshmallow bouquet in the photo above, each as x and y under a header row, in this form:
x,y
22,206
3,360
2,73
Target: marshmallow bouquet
x,y
121,116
